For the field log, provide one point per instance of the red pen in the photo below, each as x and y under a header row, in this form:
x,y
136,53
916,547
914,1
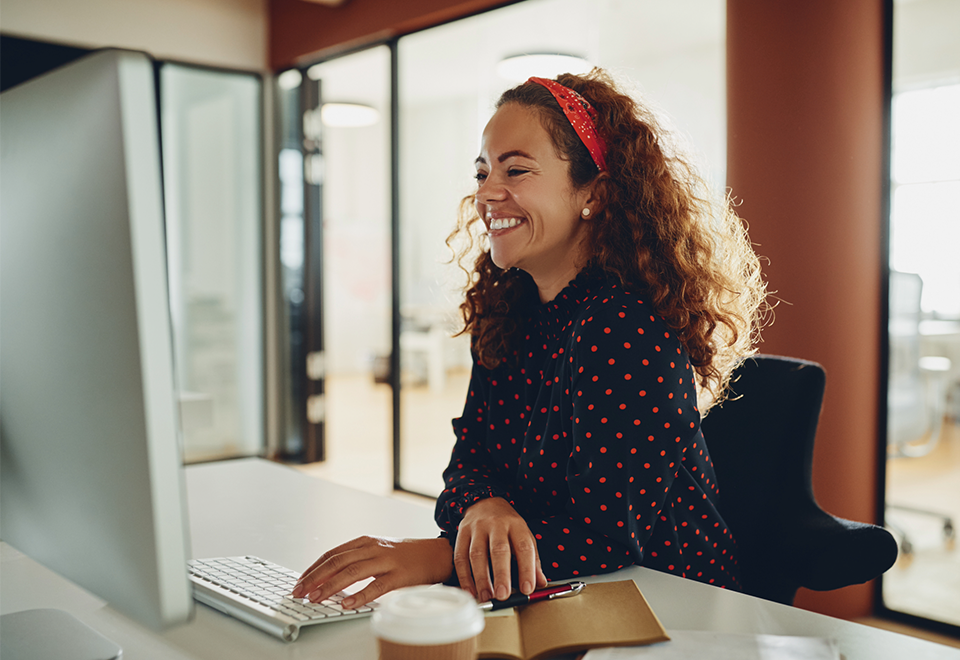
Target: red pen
x,y
547,593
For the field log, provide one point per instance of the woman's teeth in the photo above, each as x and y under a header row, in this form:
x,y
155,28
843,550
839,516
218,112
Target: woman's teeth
x,y
504,223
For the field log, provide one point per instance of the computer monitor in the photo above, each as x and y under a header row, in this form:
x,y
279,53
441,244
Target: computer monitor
x,y
90,464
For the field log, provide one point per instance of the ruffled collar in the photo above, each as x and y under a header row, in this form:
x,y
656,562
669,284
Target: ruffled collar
x,y
553,317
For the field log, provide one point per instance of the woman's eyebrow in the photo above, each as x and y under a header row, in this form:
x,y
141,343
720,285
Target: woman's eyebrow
x,y
516,152
505,155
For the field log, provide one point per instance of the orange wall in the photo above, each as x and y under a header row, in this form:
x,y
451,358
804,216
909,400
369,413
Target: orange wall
x,y
303,30
805,105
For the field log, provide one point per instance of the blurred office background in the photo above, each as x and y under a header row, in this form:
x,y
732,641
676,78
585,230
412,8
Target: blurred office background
x,y
314,157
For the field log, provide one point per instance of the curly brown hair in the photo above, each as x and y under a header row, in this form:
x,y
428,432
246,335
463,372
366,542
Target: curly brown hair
x,y
657,227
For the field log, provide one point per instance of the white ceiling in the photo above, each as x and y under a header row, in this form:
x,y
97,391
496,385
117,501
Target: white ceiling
x,y
458,58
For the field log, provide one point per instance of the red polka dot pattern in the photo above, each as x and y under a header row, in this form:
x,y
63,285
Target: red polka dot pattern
x,y
607,470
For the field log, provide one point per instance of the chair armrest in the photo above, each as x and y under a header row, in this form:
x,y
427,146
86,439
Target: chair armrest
x,y
830,552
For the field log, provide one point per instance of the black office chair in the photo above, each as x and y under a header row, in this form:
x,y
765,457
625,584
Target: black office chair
x,y
761,442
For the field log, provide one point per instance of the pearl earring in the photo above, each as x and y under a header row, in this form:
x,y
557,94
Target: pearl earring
x,y
585,213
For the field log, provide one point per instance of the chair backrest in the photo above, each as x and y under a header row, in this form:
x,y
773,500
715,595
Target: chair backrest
x,y
906,291
761,443
916,397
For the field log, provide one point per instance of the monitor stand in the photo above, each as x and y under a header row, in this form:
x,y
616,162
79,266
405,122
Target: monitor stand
x,y
47,633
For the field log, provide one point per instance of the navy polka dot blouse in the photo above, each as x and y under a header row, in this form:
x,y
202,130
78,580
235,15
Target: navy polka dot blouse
x,y
594,438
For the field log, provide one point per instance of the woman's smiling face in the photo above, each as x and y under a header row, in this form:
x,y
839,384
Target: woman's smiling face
x,y
526,200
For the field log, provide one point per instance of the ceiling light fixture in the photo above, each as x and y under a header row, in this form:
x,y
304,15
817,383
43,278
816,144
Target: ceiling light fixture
x,y
545,65
289,79
352,115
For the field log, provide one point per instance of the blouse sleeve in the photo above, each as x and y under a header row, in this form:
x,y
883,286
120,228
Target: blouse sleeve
x,y
634,413
471,475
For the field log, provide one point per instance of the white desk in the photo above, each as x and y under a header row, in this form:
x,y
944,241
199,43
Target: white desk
x,y
260,508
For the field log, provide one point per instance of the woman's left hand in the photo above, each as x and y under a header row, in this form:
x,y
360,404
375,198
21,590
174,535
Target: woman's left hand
x,y
492,535
394,563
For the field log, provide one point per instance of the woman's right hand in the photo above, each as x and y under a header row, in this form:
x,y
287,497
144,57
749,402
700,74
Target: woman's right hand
x,y
491,534
394,563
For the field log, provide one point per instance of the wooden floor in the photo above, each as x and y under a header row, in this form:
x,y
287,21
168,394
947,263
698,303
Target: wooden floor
x,y
904,629
359,451
360,438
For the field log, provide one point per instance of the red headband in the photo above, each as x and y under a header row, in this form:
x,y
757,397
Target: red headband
x,y
580,114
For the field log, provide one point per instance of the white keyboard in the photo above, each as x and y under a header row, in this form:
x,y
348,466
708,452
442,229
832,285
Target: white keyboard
x,y
258,593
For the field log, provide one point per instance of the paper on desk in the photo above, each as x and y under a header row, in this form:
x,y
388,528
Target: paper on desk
x,y
696,645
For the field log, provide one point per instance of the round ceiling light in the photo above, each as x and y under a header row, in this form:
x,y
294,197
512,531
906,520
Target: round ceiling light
x,y
289,79
544,65
348,115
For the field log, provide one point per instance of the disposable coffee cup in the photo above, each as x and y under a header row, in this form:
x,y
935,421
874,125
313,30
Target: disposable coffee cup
x,y
428,623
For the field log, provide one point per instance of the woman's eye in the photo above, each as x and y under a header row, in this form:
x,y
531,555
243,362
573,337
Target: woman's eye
x,y
512,172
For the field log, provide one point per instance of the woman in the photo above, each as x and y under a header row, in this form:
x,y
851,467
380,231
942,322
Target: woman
x,y
616,292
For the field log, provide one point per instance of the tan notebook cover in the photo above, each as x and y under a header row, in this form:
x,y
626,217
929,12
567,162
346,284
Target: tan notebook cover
x,y
604,614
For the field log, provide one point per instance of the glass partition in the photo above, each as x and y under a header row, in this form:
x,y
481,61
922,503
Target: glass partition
x,y
353,171
923,388
211,132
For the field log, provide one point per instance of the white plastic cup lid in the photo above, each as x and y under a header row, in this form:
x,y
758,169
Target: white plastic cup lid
x,y
428,615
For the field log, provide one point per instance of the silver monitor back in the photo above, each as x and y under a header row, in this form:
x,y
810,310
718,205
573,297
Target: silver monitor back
x,y
90,464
